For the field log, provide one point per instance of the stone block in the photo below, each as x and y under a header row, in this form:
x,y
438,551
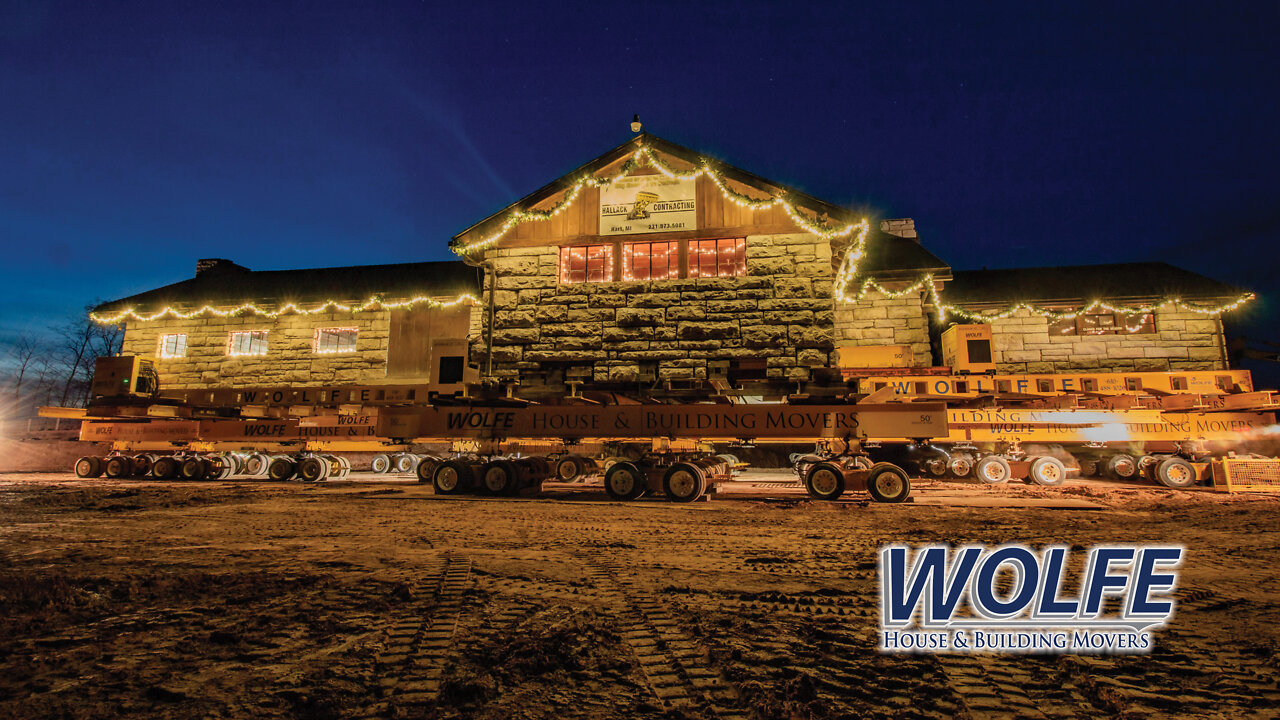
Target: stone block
x,y
686,312
607,300
793,288
591,315
560,356
632,317
731,306
804,336
1151,364
770,266
525,265
706,330
562,329
514,319
763,335
654,300
515,336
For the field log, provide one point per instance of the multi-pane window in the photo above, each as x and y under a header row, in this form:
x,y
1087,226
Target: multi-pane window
x,y
1104,323
172,346
328,341
586,263
650,260
250,342
717,258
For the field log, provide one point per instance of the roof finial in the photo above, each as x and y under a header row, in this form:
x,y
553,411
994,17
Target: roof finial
x,y
635,123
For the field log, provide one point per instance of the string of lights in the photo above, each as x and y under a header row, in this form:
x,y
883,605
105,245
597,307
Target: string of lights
x,y
373,303
845,277
645,155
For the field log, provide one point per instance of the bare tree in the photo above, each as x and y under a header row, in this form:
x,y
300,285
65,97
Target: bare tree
x,y
23,351
80,343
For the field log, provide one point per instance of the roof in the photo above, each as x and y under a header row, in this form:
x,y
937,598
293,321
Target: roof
x,y
887,254
665,147
230,284
1083,283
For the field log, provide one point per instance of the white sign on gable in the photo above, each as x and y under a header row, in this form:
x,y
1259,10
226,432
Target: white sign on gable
x,y
646,204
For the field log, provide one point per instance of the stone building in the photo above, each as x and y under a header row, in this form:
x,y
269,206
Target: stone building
x,y
636,269
421,343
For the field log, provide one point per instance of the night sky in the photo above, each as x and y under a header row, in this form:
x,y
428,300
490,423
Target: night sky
x,y
137,137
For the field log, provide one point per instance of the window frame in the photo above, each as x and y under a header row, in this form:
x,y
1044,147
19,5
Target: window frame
x,y
608,272
180,347
1117,324
231,342
620,253
674,264
337,332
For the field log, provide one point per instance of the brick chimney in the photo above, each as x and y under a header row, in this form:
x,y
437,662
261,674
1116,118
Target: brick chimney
x,y
904,228
212,265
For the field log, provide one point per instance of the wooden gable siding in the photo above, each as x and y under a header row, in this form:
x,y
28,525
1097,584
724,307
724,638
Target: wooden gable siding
x,y
580,222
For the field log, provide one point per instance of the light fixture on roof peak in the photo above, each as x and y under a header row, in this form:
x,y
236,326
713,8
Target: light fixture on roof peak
x,y
635,123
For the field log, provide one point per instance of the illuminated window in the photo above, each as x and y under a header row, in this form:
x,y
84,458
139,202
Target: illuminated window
x,y
586,263
650,261
1105,323
717,258
252,342
172,346
328,341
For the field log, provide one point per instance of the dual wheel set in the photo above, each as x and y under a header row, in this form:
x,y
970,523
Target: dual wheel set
x,y
680,481
215,466
1172,471
828,478
495,477
564,468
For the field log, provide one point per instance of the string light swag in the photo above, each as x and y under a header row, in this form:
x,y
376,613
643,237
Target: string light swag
x,y
374,303
644,155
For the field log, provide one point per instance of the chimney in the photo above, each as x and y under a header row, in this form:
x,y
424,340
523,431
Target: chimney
x,y
214,265
903,228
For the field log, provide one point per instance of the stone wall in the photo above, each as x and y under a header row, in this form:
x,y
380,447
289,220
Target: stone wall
x,y
781,313
1182,341
880,320
289,359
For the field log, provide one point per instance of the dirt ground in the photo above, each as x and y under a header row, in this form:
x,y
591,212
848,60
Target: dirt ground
x,y
229,600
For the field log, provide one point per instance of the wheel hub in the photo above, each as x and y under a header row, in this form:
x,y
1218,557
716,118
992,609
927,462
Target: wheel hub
x,y
447,478
824,481
622,482
889,484
682,483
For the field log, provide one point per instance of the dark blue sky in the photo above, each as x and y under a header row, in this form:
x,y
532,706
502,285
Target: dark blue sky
x,y
137,137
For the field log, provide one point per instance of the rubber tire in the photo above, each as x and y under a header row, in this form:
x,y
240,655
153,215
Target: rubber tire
x,y
193,468
879,494
1048,471
1122,467
1175,472
1147,467
826,472
118,467
964,463
574,467
404,463
256,465
1088,468
166,468
380,464
141,465
504,470
632,491
426,469
981,472
89,466
281,469
676,494
313,469
462,478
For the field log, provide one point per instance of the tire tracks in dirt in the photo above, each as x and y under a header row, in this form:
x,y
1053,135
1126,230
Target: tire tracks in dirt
x,y
673,665
416,642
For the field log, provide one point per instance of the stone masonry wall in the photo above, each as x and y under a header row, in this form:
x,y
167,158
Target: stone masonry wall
x,y
880,320
289,359
671,329
1182,341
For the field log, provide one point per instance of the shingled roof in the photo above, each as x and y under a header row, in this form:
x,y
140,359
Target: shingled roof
x,y
224,284
1077,284
888,255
